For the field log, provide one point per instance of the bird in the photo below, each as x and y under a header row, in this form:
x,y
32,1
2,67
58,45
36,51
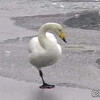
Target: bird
x,y
44,49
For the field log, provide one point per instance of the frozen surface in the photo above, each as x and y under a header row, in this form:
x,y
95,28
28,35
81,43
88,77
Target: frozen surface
x,y
32,7
79,65
75,75
11,89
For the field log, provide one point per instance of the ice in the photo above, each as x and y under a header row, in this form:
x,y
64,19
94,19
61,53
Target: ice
x,y
11,89
96,0
20,38
7,53
99,13
76,69
62,6
77,15
0,68
13,65
54,3
95,7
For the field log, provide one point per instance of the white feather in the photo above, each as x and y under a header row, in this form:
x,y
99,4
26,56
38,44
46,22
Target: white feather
x,y
42,57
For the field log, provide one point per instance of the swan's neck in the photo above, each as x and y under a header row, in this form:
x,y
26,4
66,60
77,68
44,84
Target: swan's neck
x,y
43,39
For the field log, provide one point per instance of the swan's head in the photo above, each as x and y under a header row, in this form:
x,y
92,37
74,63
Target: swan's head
x,y
58,29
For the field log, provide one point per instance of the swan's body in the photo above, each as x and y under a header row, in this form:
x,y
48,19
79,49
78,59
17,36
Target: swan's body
x,y
44,49
41,57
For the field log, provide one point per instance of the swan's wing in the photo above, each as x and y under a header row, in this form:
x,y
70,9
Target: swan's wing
x,y
59,47
51,37
34,45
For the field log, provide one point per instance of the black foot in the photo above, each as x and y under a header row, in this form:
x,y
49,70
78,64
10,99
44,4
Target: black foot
x,y
47,86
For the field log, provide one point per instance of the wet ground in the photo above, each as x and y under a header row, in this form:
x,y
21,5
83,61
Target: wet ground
x,y
80,63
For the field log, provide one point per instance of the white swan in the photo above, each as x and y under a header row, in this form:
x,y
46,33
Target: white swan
x,y
44,49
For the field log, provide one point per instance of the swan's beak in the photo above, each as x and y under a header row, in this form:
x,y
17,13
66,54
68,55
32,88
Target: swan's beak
x,y
63,36
64,40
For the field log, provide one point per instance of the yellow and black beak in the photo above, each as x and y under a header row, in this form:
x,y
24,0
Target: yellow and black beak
x,y
63,36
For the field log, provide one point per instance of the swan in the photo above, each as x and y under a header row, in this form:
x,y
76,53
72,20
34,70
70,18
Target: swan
x,y
44,49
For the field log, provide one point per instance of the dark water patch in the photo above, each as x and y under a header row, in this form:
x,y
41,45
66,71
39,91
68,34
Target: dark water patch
x,y
73,85
34,22
87,20
89,51
98,61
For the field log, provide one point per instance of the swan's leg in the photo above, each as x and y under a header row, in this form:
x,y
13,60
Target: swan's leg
x,y
45,85
41,75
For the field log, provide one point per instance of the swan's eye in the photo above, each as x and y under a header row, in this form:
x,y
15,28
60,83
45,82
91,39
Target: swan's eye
x,y
59,30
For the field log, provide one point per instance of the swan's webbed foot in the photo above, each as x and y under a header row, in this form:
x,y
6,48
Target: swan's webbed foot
x,y
47,86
